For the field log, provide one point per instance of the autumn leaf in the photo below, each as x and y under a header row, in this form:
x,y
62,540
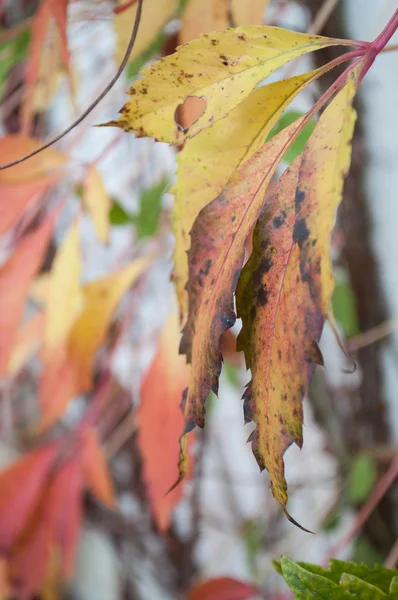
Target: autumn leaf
x,y
97,201
223,588
101,299
202,16
15,278
161,422
215,261
21,485
65,298
95,469
325,163
23,186
222,148
250,12
28,338
155,15
281,328
239,59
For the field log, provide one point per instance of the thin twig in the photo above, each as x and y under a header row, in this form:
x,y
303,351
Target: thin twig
x,y
390,48
122,7
322,16
382,487
392,558
96,101
373,335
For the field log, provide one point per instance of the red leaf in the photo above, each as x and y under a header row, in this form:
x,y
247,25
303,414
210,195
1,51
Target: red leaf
x,y
161,422
20,487
223,588
15,278
95,469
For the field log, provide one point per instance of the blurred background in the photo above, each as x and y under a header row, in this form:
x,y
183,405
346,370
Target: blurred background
x,y
91,379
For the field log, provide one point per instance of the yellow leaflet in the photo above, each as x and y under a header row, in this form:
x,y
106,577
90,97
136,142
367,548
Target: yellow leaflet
x,y
325,163
64,300
97,201
101,300
201,16
209,159
222,67
155,15
248,12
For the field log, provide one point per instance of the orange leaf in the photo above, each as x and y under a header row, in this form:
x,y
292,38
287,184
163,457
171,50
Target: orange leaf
x,y
161,421
223,588
28,338
95,469
15,277
20,487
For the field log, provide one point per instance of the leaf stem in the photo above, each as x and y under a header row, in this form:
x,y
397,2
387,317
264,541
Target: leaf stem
x,y
379,44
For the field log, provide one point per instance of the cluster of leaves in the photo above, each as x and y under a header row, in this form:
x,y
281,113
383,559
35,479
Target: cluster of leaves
x,y
226,188
341,581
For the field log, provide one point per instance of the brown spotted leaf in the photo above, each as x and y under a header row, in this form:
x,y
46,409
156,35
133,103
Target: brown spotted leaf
x,y
280,331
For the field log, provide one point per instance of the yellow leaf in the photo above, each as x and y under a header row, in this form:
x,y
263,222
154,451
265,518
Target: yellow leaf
x,y
222,67
325,163
28,339
280,330
155,15
97,202
65,299
101,300
39,287
222,148
248,12
202,16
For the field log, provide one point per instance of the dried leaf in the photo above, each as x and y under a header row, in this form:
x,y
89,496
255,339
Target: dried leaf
x,y
281,328
95,469
15,277
325,163
97,202
101,300
222,148
223,588
161,422
155,15
65,299
250,12
236,61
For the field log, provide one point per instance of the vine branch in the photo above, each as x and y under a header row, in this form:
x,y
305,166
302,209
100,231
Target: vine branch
x,y
94,104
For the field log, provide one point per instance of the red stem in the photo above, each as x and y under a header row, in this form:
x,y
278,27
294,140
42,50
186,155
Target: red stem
x,y
379,43
122,7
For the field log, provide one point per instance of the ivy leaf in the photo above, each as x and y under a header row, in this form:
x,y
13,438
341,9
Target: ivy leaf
x,y
361,589
305,584
239,59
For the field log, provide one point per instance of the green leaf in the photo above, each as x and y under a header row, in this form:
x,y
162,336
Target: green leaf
x,y
253,539
361,478
147,220
394,588
361,589
306,585
135,66
12,52
365,553
300,141
344,309
118,216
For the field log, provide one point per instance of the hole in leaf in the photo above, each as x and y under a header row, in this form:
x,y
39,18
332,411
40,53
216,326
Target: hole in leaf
x,y
190,111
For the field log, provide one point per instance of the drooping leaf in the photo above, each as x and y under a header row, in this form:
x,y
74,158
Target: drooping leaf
x,y
215,259
209,159
250,12
161,422
95,469
237,60
88,332
305,584
155,15
64,299
281,328
15,277
20,485
325,162
97,201
223,588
